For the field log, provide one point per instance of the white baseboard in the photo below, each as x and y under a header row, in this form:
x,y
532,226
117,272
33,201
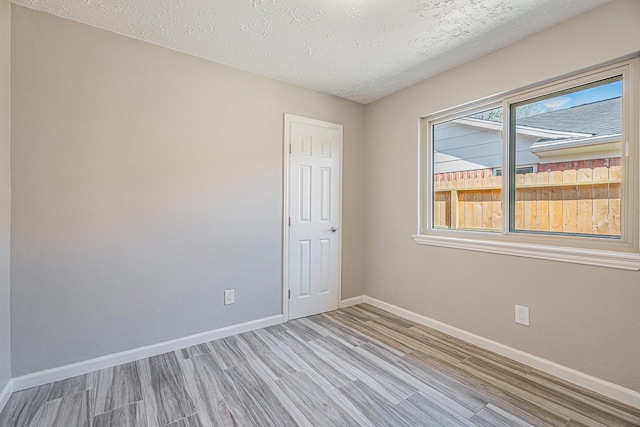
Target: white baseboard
x,y
614,391
63,372
351,301
5,394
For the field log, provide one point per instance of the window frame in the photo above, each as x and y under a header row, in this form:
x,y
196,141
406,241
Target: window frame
x,y
623,252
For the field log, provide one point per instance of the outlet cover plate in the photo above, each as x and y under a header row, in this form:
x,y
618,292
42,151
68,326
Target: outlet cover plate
x,y
229,296
522,315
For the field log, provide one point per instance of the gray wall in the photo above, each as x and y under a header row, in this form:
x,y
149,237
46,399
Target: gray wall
x,y
586,318
145,182
5,190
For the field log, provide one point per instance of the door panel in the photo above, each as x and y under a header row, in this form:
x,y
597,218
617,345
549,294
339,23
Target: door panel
x,y
314,205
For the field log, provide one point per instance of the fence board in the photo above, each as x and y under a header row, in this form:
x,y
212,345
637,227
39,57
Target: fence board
x,y
555,203
454,217
466,206
496,203
569,202
573,201
585,202
615,192
530,202
486,203
601,202
477,207
542,202
615,173
601,174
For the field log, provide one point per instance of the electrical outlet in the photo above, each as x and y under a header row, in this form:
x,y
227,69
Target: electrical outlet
x,y
229,296
522,315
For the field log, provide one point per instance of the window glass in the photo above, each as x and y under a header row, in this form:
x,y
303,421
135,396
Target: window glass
x,y
573,140
466,190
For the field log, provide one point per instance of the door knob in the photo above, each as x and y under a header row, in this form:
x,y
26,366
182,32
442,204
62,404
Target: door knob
x,y
333,229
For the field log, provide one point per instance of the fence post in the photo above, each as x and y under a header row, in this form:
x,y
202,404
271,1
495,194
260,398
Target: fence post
x,y
454,209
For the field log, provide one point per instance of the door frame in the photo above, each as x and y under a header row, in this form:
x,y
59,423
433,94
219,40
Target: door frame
x,y
288,120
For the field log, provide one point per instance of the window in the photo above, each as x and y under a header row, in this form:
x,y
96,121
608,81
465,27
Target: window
x,y
519,170
549,172
578,190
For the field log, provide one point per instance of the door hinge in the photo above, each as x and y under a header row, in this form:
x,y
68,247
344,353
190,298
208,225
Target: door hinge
x,y
289,221
289,148
289,293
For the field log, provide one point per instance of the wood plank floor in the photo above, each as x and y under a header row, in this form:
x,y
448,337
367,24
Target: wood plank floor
x,y
351,367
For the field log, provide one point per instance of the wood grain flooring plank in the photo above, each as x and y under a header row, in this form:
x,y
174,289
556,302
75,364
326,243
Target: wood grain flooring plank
x,y
471,348
461,393
384,314
255,342
152,417
443,399
313,402
328,376
362,329
573,423
413,344
526,390
374,407
69,410
226,351
397,324
368,330
443,415
580,394
163,388
24,406
133,415
359,313
375,377
193,351
302,331
191,421
203,376
296,414
117,387
490,417
283,351
358,373
415,335
563,400
254,349
312,370
259,399
339,330
485,390
72,385
234,400
315,326
351,409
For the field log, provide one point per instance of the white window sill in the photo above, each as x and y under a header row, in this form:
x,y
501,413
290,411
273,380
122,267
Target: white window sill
x,y
611,259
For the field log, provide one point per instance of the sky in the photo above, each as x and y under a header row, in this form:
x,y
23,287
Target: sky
x,y
611,88
580,97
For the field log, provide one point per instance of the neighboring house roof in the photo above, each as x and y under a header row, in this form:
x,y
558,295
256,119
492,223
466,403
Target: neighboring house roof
x,y
596,118
583,132
602,120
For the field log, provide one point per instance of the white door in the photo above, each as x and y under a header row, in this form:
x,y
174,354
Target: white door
x,y
312,216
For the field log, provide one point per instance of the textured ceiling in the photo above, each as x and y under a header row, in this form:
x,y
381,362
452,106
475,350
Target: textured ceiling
x,y
357,49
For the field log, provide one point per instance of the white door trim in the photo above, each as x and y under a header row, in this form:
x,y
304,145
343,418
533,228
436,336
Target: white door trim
x,y
288,119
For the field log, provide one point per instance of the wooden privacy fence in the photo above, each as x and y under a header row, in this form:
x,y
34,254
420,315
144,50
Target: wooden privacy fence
x,y
571,201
